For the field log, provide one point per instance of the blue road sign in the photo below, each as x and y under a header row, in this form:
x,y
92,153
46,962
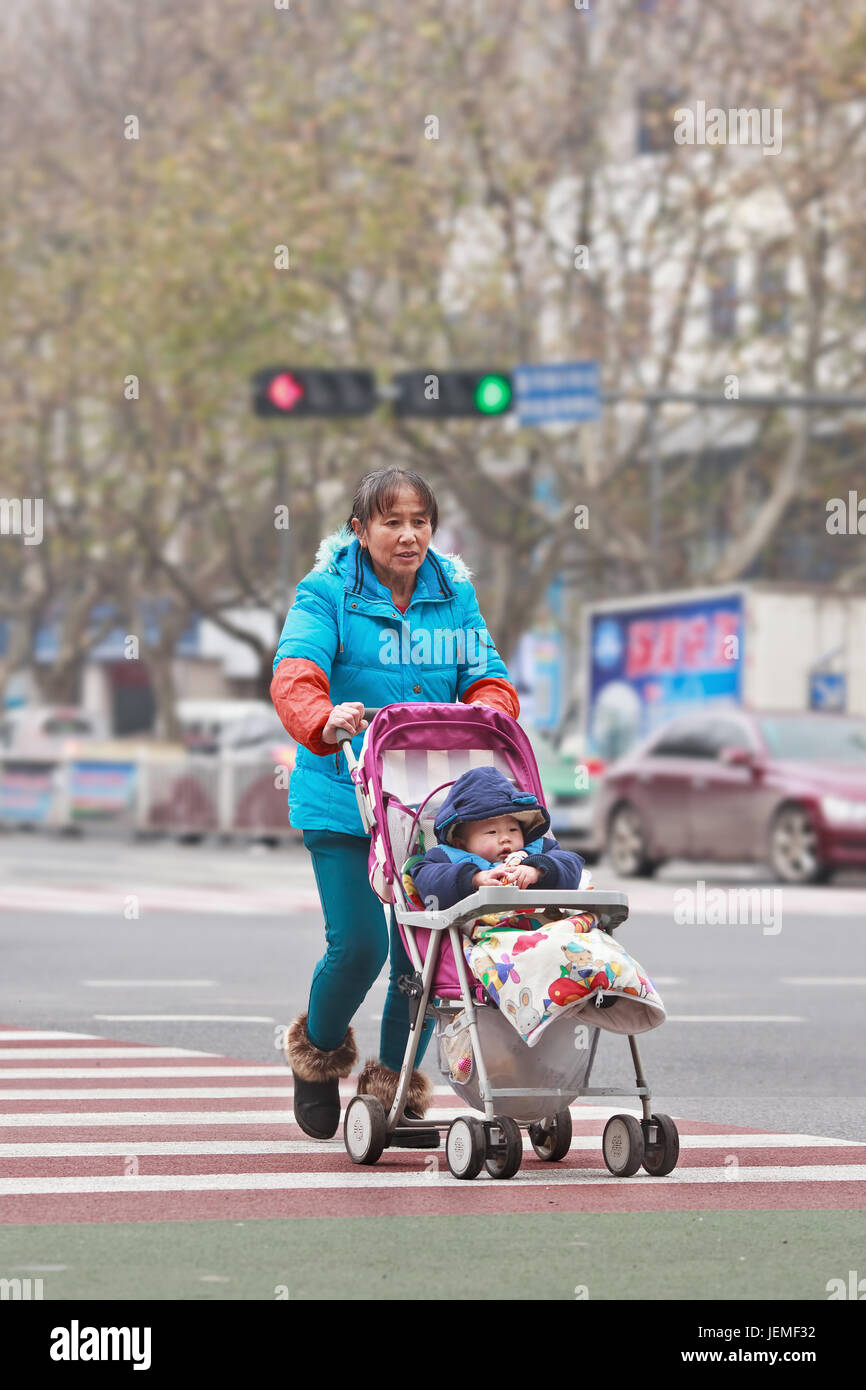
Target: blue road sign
x,y
553,392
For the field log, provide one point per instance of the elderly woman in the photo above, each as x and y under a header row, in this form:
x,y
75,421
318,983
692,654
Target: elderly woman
x,y
338,654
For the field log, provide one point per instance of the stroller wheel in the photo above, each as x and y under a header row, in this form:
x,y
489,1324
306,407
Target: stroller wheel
x,y
622,1145
505,1157
661,1144
465,1147
551,1139
365,1129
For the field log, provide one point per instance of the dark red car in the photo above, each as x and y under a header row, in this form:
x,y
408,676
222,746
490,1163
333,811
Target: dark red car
x,y
734,785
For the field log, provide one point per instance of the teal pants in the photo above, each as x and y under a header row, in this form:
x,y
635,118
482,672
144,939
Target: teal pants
x,y
357,947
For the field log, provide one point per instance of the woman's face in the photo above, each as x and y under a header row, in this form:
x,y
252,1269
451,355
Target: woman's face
x,y
397,539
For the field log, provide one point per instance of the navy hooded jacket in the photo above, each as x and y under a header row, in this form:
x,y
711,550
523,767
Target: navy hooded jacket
x,y
446,873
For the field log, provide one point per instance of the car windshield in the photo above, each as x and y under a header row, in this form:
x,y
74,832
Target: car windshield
x,y
819,738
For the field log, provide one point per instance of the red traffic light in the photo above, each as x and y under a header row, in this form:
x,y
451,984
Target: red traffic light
x,y
301,391
284,391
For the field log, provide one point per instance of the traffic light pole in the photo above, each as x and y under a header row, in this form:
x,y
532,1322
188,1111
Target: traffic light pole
x,y
284,556
463,393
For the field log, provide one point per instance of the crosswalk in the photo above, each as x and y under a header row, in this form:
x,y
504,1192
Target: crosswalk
x,y
95,1130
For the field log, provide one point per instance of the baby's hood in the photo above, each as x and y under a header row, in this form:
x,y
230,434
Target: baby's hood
x,y
484,792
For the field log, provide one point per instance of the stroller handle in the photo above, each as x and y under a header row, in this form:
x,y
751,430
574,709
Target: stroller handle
x,y
369,711
343,735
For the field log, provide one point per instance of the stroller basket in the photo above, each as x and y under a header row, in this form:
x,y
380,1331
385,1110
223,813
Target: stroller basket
x,y
550,1076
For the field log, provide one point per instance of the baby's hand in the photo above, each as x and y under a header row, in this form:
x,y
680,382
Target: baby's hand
x,y
525,875
494,877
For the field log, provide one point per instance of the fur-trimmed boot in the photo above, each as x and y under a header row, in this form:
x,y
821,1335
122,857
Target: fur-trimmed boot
x,y
380,1081
317,1079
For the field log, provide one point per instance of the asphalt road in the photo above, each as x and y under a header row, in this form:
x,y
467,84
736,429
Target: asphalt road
x,y
212,947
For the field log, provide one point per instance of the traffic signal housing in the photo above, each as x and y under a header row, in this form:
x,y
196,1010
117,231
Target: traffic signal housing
x,y
299,391
455,394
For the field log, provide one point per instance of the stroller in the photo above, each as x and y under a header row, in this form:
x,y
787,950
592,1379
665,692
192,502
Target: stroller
x,y
411,755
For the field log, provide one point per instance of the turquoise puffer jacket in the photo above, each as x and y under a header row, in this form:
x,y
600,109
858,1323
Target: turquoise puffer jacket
x,y
344,620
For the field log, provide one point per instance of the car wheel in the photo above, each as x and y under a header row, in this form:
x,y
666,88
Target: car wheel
x,y
626,843
589,856
794,851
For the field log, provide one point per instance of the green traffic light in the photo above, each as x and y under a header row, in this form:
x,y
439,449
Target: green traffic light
x,y
493,395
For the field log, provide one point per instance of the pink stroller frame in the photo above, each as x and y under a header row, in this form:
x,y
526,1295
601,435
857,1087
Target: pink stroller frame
x,y
411,755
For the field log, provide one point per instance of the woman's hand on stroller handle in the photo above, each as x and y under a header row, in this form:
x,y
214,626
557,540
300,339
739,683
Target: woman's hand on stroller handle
x,y
344,721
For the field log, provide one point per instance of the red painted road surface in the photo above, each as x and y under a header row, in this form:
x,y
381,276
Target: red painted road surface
x,y
98,1130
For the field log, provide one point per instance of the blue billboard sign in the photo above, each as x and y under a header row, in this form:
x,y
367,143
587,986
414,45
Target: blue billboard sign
x,y
650,664
101,790
26,792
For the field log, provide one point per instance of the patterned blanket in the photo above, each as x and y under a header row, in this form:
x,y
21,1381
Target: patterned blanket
x,y
536,970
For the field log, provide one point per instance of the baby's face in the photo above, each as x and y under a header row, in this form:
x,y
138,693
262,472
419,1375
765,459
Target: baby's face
x,y
493,839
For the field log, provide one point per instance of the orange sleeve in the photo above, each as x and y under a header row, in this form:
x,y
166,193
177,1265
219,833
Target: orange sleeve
x,y
301,697
496,692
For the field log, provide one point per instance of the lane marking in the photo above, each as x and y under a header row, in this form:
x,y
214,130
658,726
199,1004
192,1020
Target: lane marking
x,y
184,1018
334,1148
148,1093
734,1018
857,980
116,1073
228,900
149,984
75,1119
392,1178
134,1050
38,1268
32,1035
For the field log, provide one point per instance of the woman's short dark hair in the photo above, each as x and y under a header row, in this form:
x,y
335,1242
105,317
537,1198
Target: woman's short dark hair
x,y
376,493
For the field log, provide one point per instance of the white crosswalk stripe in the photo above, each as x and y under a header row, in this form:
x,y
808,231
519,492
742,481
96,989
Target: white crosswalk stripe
x,y
384,1177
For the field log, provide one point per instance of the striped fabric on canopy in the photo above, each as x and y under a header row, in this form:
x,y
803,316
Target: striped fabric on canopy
x,y
410,774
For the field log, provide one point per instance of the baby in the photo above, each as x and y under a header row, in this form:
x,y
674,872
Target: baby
x,y
491,833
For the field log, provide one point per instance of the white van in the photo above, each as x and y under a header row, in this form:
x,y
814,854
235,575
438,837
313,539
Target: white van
x,y
220,726
48,731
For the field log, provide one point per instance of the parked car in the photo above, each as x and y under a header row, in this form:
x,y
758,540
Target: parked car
x,y
733,785
234,728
